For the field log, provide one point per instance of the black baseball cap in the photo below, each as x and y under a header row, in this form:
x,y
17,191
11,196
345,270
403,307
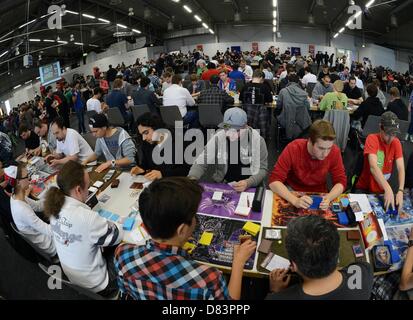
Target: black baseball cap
x,y
99,121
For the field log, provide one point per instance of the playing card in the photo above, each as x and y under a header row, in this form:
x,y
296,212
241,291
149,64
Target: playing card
x,y
104,198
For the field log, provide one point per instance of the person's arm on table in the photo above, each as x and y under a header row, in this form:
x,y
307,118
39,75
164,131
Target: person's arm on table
x,y
402,175
406,280
64,160
91,158
241,255
379,177
338,175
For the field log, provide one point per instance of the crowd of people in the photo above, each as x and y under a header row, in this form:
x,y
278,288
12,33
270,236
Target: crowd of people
x,y
162,268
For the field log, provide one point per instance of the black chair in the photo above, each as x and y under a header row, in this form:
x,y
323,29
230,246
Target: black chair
x,y
210,115
90,114
186,83
90,139
82,292
115,117
310,88
139,110
170,114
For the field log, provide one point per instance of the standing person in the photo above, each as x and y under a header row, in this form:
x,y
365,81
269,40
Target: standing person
x,y
117,99
63,107
50,105
79,108
111,76
80,234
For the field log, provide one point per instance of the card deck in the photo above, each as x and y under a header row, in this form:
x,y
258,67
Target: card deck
x,y
244,237
316,202
115,183
136,185
265,246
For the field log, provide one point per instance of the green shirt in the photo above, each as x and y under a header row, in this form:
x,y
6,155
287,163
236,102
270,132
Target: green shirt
x,y
333,100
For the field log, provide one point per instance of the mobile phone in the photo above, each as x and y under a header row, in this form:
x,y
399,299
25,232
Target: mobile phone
x,y
336,207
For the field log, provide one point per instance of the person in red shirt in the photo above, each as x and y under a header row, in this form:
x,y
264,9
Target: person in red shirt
x,y
380,152
304,165
212,69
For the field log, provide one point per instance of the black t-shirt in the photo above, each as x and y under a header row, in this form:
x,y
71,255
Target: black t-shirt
x,y
32,142
235,165
255,93
51,112
399,108
344,292
352,93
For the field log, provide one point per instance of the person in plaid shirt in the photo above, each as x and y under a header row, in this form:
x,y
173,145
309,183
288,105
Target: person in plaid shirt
x,y
215,95
161,269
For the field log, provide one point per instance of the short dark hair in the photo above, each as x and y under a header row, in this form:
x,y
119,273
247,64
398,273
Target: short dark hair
x,y
176,79
211,65
150,120
59,122
214,79
23,128
372,90
97,90
313,243
38,123
325,66
351,79
145,81
293,77
308,69
265,65
162,211
258,74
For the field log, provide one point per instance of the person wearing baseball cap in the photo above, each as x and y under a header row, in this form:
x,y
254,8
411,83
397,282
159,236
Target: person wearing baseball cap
x,y
380,152
115,144
238,154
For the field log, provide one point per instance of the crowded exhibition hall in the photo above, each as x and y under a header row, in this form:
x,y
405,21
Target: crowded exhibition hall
x,y
206,150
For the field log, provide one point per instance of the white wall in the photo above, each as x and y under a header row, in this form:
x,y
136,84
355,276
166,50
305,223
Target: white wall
x,y
379,56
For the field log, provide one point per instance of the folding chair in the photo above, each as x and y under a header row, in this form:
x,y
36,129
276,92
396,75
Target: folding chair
x,y
310,88
90,139
115,117
210,115
170,115
139,110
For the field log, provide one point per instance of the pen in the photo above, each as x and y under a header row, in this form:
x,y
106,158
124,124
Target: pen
x,y
248,201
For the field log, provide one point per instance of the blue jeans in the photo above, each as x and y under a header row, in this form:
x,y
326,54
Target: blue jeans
x,y
191,119
81,121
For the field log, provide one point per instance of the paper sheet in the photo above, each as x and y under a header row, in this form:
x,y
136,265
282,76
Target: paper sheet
x,y
383,229
245,203
362,200
277,262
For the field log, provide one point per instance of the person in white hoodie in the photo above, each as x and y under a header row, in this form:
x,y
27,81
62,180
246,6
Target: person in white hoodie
x,y
23,209
80,234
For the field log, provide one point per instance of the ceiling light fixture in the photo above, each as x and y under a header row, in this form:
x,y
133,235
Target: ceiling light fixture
x,y
197,18
188,9
122,26
88,16
103,20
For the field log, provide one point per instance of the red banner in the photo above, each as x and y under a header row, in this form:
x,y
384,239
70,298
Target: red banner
x,y
255,46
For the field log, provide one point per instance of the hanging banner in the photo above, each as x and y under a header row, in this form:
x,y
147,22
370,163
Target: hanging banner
x,y
295,51
200,47
311,49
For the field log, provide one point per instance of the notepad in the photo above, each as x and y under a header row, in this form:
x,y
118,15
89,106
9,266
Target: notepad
x,y
251,228
217,196
244,204
206,238
277,262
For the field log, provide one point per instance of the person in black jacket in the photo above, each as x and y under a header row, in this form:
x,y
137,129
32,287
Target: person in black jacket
x,y
371,106
156,150
111,75
397,106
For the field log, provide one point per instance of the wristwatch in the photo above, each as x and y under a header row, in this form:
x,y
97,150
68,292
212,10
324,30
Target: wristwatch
x,y
410,243
113,163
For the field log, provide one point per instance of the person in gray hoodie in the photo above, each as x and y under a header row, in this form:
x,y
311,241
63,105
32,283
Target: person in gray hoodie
x,y
115,144
238,154
293,102
322,87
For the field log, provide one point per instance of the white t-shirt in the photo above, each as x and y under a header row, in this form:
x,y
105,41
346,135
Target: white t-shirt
x,y
74,144
359,84
93,105
31,226
309,78
176,95
283,74
79,234
247,72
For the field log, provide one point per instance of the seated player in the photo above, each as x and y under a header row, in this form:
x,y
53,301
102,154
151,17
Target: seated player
x,y
381,150
162,269
304,165
79,233
70,145
31,140
115,144
406,280
46,135
237,154
38,232
155,161
313,244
